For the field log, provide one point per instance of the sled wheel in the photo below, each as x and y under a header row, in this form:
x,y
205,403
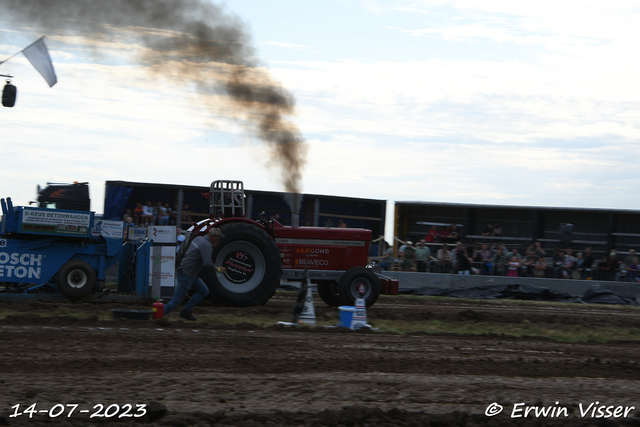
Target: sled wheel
x,y
358,279
76,278
253,266
329,292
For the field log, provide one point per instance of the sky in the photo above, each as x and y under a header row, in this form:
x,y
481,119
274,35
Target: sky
x,y
491,102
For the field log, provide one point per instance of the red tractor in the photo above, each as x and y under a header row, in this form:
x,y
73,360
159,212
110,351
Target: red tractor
x,y
258,254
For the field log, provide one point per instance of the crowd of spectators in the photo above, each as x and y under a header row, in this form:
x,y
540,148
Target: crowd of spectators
x,y
158,213
441,252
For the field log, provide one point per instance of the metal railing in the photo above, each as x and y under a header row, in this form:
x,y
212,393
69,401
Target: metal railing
x,y
550,271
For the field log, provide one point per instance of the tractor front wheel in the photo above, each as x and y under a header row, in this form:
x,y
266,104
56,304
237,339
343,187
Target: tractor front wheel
x,y
359,282
76,278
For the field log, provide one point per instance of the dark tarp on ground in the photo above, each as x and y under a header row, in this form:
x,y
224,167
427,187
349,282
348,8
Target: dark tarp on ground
x,y
604,296
527,292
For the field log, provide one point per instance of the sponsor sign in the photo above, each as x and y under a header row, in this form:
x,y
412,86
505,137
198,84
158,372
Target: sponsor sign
x,y
162,233
20,266
162,266
108,229
137,233
43,221
240,267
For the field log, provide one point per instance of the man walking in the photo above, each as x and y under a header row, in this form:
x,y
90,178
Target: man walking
x,y
198,256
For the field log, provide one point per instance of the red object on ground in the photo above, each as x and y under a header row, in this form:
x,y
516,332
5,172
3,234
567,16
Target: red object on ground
x,y
158,310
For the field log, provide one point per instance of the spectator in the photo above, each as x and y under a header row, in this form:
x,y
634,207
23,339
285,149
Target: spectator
x,y
587,266
463,262
540,267
444,235
476,259
602,271
488,231
568,264
497,246
387,256
499,263
432,235
514,266
528,263
537,248
632,270
162,215
453,232
423,253
497,230
628,260
454,252
138,212
485,256
614,265
128,223
514,253
328,223
444,258
341,224
558,262
127,212
408,256
147,214
172,214
579,266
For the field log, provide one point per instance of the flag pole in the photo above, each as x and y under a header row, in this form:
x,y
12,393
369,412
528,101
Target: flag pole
x,y
2,62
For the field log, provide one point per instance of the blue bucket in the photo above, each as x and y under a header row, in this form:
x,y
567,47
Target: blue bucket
x,y
346,316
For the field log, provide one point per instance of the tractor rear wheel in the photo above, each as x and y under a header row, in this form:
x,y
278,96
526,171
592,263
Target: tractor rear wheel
x,y
253,266
329,292
359,282
76,278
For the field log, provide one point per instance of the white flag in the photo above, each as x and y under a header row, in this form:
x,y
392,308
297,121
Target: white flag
x,y
38,55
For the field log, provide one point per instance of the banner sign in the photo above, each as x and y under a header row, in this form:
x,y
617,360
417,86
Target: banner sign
x,y
162,234
137,233
162,267
44,221
108,229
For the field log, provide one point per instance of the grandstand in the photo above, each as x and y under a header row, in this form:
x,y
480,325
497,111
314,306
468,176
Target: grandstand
x,y
577,228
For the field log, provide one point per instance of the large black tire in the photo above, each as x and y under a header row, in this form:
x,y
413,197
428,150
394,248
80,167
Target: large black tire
x,y
253,266
329,292
76,278
354,279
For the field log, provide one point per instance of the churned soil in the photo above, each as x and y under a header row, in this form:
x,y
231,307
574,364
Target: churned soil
x,y
205,374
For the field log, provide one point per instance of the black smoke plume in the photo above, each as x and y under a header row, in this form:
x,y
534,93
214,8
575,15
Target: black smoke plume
x,y
192,41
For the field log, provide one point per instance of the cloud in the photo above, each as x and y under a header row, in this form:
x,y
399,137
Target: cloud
x,y
567,27
286,45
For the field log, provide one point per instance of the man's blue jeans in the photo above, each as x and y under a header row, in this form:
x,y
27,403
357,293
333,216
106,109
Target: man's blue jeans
x,y
185,283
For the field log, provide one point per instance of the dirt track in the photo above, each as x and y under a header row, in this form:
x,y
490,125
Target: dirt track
x,y
242,375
